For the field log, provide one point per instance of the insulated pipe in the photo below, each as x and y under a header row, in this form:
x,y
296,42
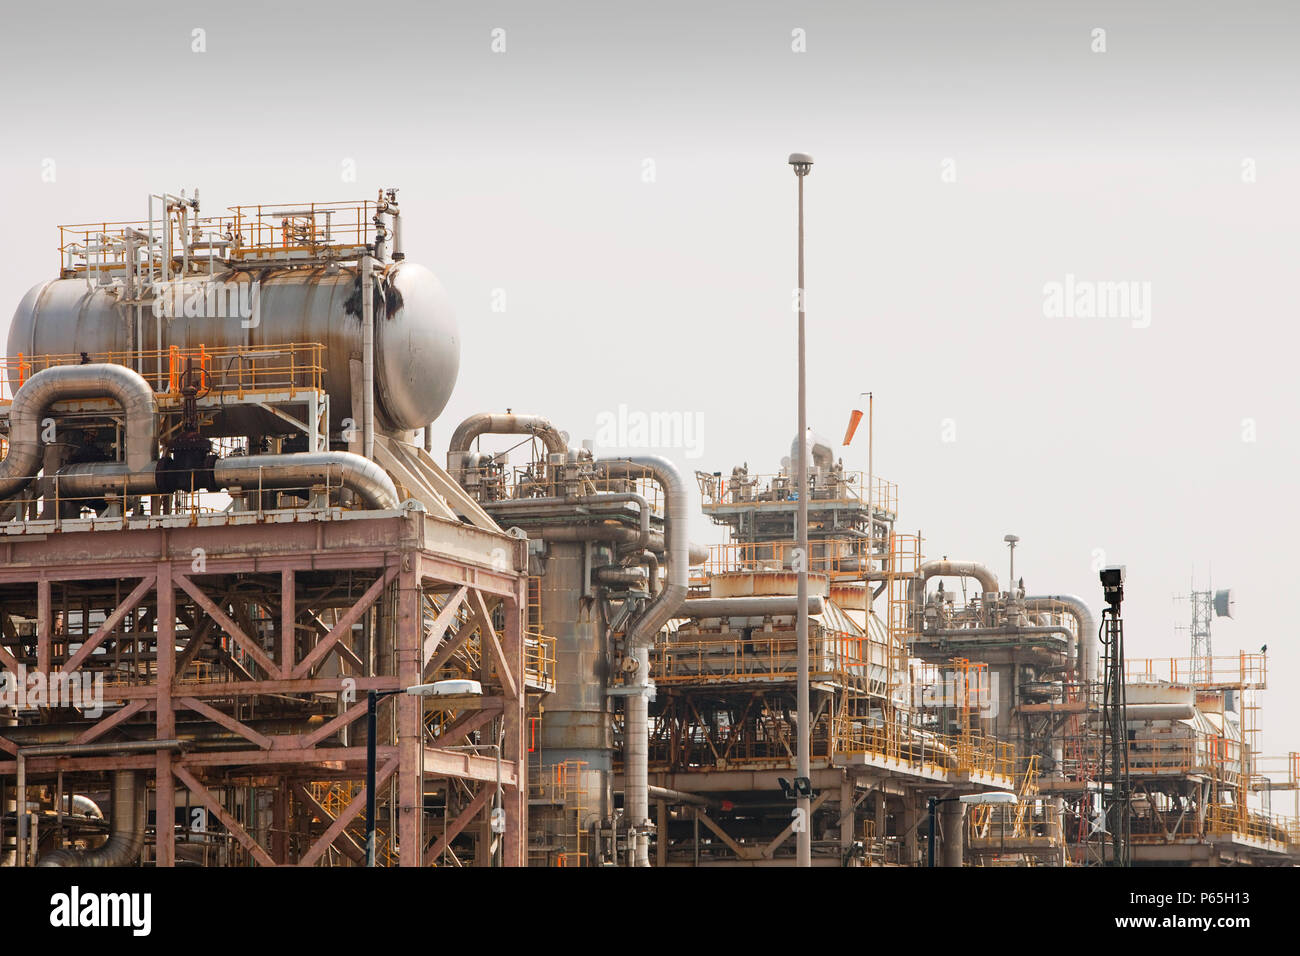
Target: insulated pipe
x,y
488,424
636,759
269,472
101,478
977,632
1083,619
819,450
367,357
615,533
763,606
965,569
618,534
67,382
304,469
678,796
86,807
650,562
621,577
677,546
395,223
126,838
512,505
1160,711
643,631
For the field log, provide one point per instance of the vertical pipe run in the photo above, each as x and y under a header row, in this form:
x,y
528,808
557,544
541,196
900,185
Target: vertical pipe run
x,y
367,358
637,763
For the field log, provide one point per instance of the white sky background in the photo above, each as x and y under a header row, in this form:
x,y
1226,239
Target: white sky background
x,y
522,171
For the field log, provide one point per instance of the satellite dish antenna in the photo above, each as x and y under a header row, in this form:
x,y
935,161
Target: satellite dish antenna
x,y
1224,602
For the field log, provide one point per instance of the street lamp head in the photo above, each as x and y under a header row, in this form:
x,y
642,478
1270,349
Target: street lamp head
x,y
1010,538
801,162
446,688
993,798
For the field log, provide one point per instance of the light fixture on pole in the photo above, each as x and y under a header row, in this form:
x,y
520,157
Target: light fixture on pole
x,y
1011,540
441,688
802,164
991,798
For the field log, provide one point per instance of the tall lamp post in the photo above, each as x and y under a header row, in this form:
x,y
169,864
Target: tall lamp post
x,y
1011,540
802,164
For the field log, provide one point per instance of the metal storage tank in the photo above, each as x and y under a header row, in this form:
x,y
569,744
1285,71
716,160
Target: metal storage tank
x,y
417,342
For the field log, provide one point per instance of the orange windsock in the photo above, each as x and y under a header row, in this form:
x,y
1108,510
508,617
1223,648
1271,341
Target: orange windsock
x,y
855,418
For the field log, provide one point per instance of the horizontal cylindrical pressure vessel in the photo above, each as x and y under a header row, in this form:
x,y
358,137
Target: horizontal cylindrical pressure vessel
x,y
417,343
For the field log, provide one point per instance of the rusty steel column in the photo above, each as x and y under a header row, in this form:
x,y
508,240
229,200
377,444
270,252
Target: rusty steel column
x,y
515,752
165,783
44,637
410,736
288,617
280,822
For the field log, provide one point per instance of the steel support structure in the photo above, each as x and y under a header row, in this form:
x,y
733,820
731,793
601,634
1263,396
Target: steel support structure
x,y
1115,783
254,645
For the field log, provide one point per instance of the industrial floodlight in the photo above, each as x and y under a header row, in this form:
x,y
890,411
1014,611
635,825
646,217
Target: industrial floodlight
x,y
787,789
446,688
994,798
801,162
1112,583
803,786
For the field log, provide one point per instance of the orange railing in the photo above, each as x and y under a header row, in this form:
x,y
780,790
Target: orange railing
x,y
263,231
769,490
231,372
832,656
1236,671
937,753
1269,828
845,558
300,228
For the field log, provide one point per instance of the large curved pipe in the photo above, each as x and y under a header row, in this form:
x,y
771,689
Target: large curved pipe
x,y
270,472
614,576
964,569
488,424
677,545
304,469
641,634
86,807
650,562
1077,608
126,839
819,451
67,382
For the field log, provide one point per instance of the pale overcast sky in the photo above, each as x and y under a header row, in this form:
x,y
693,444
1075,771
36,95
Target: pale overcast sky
x,y
618,171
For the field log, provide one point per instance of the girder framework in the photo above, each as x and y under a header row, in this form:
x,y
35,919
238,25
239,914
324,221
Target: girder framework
x,y
254,648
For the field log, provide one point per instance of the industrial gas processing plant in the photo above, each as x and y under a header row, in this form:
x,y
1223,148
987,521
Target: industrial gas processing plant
x,y
249,615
